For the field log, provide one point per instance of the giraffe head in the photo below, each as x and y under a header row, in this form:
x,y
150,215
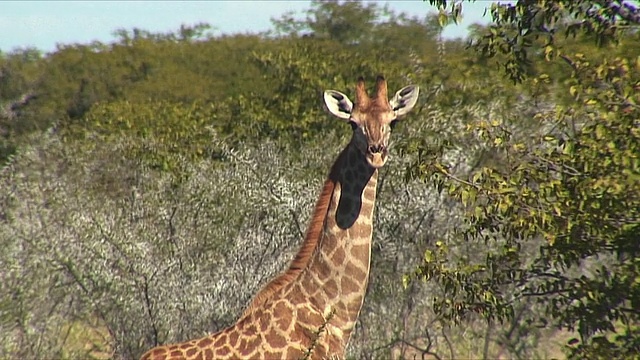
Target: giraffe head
x,y
372,118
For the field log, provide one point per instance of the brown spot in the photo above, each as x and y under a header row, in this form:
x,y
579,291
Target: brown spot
x,y
176,353
158,351
249,329
191,351
281,308
256,342
360,251
274,355
275,340
298,335
356,273
370,193
320,351
296,295
282,315
348,286
233,338
284,322
252,345
220,341
223,351
306,316
199,357
208,353
330,241
185,346
360,232
338,256
257,313
323,270
293,353
205,342
331,288
366,208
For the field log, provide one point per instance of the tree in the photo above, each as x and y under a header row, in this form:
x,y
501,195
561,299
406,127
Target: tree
x,y
346,22
556,213
517,27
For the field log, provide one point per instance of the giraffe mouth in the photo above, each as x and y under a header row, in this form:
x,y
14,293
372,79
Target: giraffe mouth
x,y
377,159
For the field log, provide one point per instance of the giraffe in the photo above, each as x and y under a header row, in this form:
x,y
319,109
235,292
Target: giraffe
x,y
309,311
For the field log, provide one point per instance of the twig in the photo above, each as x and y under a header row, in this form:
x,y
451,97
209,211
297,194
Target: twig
x,y
314,342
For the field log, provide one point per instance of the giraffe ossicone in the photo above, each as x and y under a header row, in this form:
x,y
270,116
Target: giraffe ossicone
x,y
309,311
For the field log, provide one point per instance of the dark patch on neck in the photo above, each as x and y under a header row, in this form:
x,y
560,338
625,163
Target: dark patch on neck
x,y
353,175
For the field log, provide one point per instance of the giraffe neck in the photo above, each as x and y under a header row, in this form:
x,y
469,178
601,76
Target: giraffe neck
x,y
337,275
328,276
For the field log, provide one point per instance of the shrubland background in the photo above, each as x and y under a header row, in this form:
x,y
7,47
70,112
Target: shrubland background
x,y
149,187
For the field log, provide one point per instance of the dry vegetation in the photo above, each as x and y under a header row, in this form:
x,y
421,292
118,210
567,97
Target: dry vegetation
x,y
136,211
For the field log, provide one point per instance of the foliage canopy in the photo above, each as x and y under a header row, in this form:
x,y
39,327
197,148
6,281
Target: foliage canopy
x,y
174,163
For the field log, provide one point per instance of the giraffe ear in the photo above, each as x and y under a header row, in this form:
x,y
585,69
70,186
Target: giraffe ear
x,y
338,104
404,100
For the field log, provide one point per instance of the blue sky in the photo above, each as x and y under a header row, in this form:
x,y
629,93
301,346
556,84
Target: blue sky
x,y
43,24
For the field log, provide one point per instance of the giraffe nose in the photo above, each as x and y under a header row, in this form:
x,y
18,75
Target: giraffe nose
x,y
376,149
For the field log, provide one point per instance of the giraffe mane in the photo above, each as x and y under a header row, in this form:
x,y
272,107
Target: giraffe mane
x,y
311,239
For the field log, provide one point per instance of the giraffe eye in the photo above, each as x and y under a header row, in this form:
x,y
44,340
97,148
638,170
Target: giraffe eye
x,y
354,126
393,124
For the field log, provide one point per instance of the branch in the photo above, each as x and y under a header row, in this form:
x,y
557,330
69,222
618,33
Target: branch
x,y
424,352
624,10
453,177
149,307
545,293
297,223
563,168
9,109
